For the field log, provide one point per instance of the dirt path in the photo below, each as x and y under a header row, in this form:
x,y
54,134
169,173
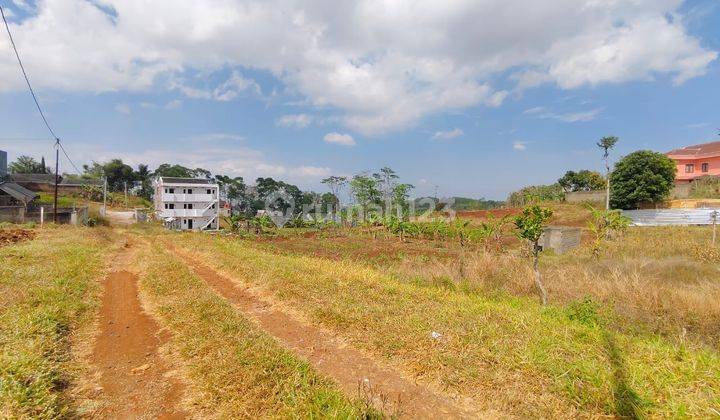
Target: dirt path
x,y
133,375
351,369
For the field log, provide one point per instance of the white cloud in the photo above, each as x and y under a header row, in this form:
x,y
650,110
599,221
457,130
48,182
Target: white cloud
x,y
519,146
535,110
337,138
383,64
215,137
447,135
294,120
123,108
174,104
568,117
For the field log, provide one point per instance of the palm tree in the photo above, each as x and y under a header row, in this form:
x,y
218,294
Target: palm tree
x,y
607,143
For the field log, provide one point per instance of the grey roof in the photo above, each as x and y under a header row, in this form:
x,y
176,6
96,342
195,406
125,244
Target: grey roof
x,y
174,180
36,178
17,192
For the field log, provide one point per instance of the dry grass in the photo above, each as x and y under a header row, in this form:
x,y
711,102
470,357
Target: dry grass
x,y
650,283
47,292
235,369
505,352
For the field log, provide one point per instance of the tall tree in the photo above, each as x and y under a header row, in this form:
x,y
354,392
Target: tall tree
x,y
335,184
144,177
27,165
366,192
607,143
386,181
170,170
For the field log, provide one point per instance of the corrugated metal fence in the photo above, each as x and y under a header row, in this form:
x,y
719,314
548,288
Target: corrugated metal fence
x,y
672,217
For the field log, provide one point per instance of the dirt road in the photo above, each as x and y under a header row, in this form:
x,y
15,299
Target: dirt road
x,y
133,375
350,368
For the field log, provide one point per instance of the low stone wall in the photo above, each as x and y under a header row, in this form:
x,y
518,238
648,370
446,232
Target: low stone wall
x,y
585,197
19,214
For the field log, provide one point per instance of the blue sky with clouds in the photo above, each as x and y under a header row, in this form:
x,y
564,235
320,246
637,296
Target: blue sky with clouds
x,y
475,97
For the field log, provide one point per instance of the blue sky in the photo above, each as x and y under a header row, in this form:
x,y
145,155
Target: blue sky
x,y
478,101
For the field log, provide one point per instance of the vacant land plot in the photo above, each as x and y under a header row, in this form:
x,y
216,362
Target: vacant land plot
x,y
505,353
48,290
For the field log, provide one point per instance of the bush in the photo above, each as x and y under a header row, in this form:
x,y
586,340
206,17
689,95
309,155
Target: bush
x,y
642,177
536,194
705,187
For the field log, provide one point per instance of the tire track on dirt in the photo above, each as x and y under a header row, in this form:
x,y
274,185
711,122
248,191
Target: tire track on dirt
x,y
133,375
352,370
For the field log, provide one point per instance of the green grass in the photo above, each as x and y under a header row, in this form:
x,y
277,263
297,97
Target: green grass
x,y
236,369
507,352
47,288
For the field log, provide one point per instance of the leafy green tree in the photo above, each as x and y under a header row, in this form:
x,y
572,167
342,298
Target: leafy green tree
x,y
583,180
178,171
529,226
28,165
365,190
143,176
386,180
607,143
641,177
401,197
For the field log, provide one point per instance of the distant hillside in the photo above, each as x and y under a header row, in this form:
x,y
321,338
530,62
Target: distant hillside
x,y
461,203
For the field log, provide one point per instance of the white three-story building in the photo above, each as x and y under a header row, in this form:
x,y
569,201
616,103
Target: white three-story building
x,y
187,203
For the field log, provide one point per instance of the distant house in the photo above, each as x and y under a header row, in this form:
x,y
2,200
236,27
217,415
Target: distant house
x,y
696,161
187,203
13,195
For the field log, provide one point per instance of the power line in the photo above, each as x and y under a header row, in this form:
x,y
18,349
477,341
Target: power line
x,y
68,158
27,80
32,93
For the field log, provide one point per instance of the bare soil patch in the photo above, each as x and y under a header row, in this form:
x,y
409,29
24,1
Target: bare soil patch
x,y
12,236
352,370
133,376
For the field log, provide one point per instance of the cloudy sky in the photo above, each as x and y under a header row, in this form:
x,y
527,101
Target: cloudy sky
x,y
476,97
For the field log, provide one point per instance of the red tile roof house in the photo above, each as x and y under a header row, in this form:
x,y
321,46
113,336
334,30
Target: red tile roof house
x,y
696,161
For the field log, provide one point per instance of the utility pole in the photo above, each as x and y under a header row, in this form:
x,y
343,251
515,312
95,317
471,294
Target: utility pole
x,y
104,212
57,167
714,216
126,202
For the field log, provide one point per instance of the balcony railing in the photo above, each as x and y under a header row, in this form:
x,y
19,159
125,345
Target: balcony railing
x,y
165,213
188,198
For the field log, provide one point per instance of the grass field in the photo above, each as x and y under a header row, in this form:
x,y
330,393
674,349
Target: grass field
x,y
48,290
634,333
631,334
236,369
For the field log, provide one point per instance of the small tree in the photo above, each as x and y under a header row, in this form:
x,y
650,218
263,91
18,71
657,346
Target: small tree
x,y
583,180
607,143
336,184
602,224
641,177
530,226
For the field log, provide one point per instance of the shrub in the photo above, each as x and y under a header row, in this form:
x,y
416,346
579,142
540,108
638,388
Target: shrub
x,y
641,177
536,194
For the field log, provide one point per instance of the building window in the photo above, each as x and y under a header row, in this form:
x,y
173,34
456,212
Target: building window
x,y
705,167
209,191
188,206
689,168
170,190
166,206
166,190
171,206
